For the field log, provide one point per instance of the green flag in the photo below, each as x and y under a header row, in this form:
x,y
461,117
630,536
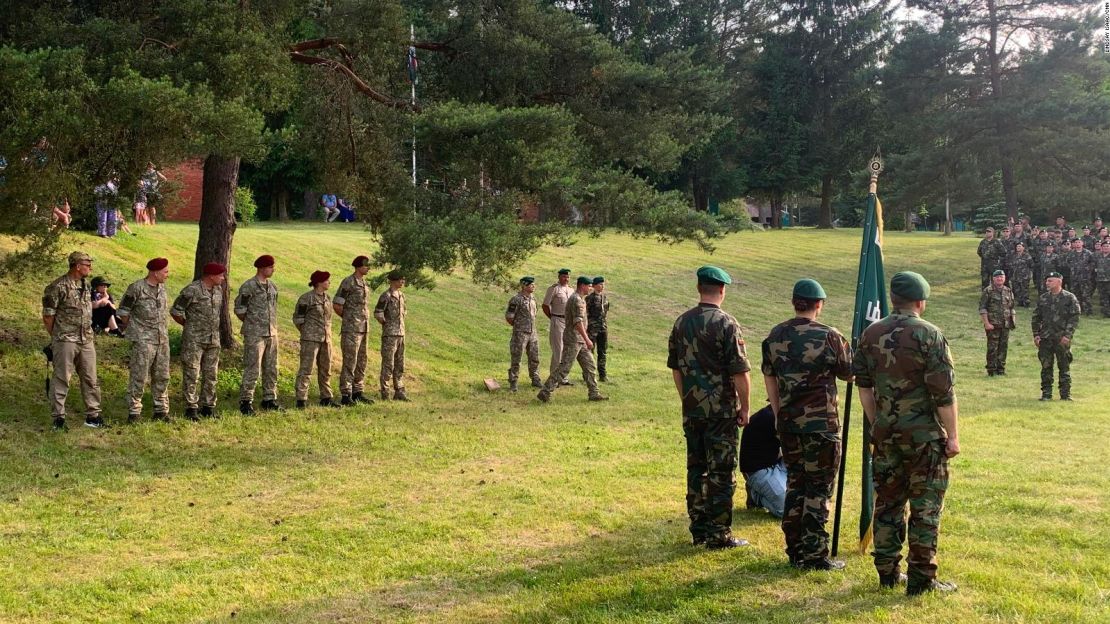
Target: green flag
x,y
871,305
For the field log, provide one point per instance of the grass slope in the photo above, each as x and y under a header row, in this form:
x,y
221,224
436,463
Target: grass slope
x,y
463,506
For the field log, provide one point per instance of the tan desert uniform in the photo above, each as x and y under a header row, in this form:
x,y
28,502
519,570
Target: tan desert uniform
x,y
312,316
69,301
200,306
556,298
257,302
391,310
354,296
146,307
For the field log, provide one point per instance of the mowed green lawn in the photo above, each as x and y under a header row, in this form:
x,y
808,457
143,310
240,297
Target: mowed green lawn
x,y
466,506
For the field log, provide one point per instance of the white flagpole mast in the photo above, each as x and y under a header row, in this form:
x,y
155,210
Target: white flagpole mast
x,y
412,42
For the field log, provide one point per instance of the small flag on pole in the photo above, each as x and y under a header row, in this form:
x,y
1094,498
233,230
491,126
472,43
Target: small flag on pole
x,y
412,65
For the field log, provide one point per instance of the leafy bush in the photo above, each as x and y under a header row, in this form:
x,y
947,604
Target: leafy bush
x,y
245,208
734,216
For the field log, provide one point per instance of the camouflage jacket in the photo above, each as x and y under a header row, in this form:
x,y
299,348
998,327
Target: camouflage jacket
x,y
312,315
1056,316
806,358
69,301
998,305
575,316
906,360
597,309
522,313
146,306
200,307
1037,247
1102,268
354,296
1049,262
707,347
391,311
992,252
1080,265
257,302
1020,267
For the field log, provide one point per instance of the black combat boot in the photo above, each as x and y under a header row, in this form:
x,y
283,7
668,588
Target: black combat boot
x,y
722,543
345,401
207,411
162,416
824,565
399,395
888,581
932,586
191,414
272,405
60,424
133,418
95,422
301,404
246,408
359,397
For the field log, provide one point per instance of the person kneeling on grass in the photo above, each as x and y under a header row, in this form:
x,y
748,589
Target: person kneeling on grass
x,y
761,463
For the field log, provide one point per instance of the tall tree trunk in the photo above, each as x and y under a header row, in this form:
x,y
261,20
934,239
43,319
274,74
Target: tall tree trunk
x,y
701,194
908,226
283,204
217,227
947,209
824,219
311,205
776,210
1006,160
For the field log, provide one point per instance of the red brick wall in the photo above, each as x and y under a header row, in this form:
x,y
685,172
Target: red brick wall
x,y
187,178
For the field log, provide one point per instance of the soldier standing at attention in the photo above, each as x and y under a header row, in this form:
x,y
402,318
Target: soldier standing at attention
x,y
996,309
1021,263
1102,275
1037,251
1048,264
312,316
197,308
142,312
521,316
1081,270
802,360
705,353
991,252
597,311
576,346
352,303
1063,263
256,307
390,312
67,316
904,373
1054,321
554,308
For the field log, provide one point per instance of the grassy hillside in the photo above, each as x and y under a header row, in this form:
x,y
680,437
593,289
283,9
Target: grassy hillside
x,y
463,506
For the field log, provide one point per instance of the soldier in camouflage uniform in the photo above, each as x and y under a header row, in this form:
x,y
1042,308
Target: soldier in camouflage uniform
x,y
996,309
352,303
1081,275
597,325
390,312
67,316
143,315
1021,263
802,359
198,309
1102,275
577,346
1048,264
1088,238
1037,251
1063,262
521,316
1054,321
312,316
256,307
705,353
905,377
992,253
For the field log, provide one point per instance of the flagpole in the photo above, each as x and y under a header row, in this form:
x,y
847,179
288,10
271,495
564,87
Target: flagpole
x,y
412,43
843,464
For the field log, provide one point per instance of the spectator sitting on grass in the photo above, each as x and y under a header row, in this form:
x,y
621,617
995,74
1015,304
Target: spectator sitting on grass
x,y
104,309
346,212
328,203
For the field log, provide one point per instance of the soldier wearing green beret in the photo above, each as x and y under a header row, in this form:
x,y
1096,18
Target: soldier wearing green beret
x,y
576,347
705,353
67,316
390,313
802,359
1102,276
906,384
996,309
597,313
1054,322
521,316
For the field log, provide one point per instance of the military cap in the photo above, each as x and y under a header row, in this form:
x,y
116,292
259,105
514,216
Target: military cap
x,y
564,271
809,289
909,286
157,264
395,275
582,279
527,279
78,257
1087,228
100,281
600,279
1054,274
998,273
214,268
263,261
360,261
989,229
713,275
318,277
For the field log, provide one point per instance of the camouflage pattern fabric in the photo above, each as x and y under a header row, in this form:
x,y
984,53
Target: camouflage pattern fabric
x,y
354,295
811,462
257,303
1036,250
597,327
1049,263
391,311
1081,277
393,364
998,305
574,350
806,357
318,354
1102,278
522,312
200,366
992,254
1055,317
312,316
1021,271
146,307
69,301
200,306
711,455
352,375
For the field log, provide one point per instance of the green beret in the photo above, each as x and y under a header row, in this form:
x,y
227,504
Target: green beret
x,y
998,272
582,279
599,280
809,289
712,275
989,229
527,279
909,286
78,257
395,275
564,271
1054,274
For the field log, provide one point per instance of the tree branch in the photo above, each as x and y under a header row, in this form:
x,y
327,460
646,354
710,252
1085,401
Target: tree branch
x,y
367,90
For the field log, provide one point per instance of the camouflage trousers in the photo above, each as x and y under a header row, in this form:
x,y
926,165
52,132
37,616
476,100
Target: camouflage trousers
x,y
1021,292
260,355
555,328
1083,292
149,361
1104,298
601,350
998,342
917,474
352,376
812,460
393,363
521,343
69,358
1049,351
572,352
711,452
985,275
199,363
318,354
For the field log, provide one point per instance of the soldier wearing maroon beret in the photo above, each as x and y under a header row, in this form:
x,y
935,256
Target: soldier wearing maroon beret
x,y
256,306
197,309
143,317
312,317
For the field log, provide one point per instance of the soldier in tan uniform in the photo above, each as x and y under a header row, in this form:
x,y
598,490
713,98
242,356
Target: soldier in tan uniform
x,y
256,306
554,308
576,346
197,309
312,316
521,316
67,315
390,312
143,313
351,302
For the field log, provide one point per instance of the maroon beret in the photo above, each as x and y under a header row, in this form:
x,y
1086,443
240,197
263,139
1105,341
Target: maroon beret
x,y
214,268
318,276
157,264
360,261
264,261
